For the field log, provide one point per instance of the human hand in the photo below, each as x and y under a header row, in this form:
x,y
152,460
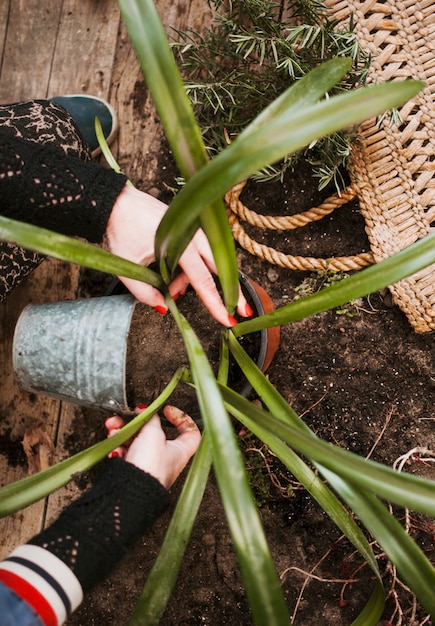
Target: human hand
x,y
151,452
131,232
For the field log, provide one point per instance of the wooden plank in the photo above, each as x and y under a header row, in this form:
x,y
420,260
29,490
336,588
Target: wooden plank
x,y
28,49
25,75
4,17
85,48
82,63
78,55
20,410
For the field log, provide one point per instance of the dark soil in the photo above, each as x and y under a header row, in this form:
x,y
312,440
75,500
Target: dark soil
x,y
144,346
360,377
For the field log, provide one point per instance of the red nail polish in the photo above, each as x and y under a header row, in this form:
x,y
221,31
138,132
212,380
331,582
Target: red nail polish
x,y
249,312
142,406
231,320
113,454
161,309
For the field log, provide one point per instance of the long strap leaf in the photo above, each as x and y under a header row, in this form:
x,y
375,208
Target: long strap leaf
x,y
320,492
163,576
412,564
258,571
307,91
75,251
21,493
175,110
270,142
404,263
352,487
402,489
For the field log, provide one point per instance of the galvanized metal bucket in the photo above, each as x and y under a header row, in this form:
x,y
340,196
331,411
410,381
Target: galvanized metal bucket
x,y
75,350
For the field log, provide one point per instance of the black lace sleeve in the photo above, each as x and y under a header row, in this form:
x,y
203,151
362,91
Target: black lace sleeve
x,y
96,530
41,185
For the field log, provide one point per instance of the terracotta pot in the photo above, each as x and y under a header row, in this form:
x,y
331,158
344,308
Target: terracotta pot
x,y
270,337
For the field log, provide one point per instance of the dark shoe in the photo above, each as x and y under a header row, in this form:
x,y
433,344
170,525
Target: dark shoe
x,y
84,109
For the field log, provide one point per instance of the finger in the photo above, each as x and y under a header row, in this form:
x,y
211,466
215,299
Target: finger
x,y
202,281
140,408
145,293
115,422
179,285
204,254
202,244
243,308
189,434
113,425
178,418
117,452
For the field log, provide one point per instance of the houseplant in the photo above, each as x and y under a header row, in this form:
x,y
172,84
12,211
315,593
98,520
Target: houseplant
x,y
298,117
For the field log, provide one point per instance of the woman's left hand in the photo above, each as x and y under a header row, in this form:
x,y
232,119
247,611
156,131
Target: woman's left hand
x,y
150,451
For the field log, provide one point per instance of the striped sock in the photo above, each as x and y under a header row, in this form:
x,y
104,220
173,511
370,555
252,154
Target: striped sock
x,y
43,581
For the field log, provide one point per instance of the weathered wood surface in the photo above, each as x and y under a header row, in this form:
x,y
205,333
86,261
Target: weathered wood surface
x,y
50,48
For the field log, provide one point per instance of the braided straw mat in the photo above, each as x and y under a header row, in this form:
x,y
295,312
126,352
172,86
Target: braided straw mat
x,y
393,165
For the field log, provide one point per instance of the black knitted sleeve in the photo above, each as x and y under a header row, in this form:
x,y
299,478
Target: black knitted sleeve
x,y
41,185
94,532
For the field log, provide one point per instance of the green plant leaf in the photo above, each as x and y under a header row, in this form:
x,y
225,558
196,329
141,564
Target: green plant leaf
x,y
412,564
21,493
404,263
184,136
163,575
240,408
304,92
402,489
106,151
162,578
74,251
315,486
270,142
258,571
276,403
370,614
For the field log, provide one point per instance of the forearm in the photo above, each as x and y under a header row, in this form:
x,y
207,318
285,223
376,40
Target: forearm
x,y
41,185
86,541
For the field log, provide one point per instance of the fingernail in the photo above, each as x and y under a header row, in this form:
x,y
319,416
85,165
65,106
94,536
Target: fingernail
x,y
142,406
179,293
248,311
231,320
113,454
161,309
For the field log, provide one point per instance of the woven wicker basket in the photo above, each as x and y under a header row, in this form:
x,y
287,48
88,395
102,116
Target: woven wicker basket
x,y
393,165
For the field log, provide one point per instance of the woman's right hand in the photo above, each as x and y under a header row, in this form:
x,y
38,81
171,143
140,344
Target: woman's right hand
x,y
131,232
